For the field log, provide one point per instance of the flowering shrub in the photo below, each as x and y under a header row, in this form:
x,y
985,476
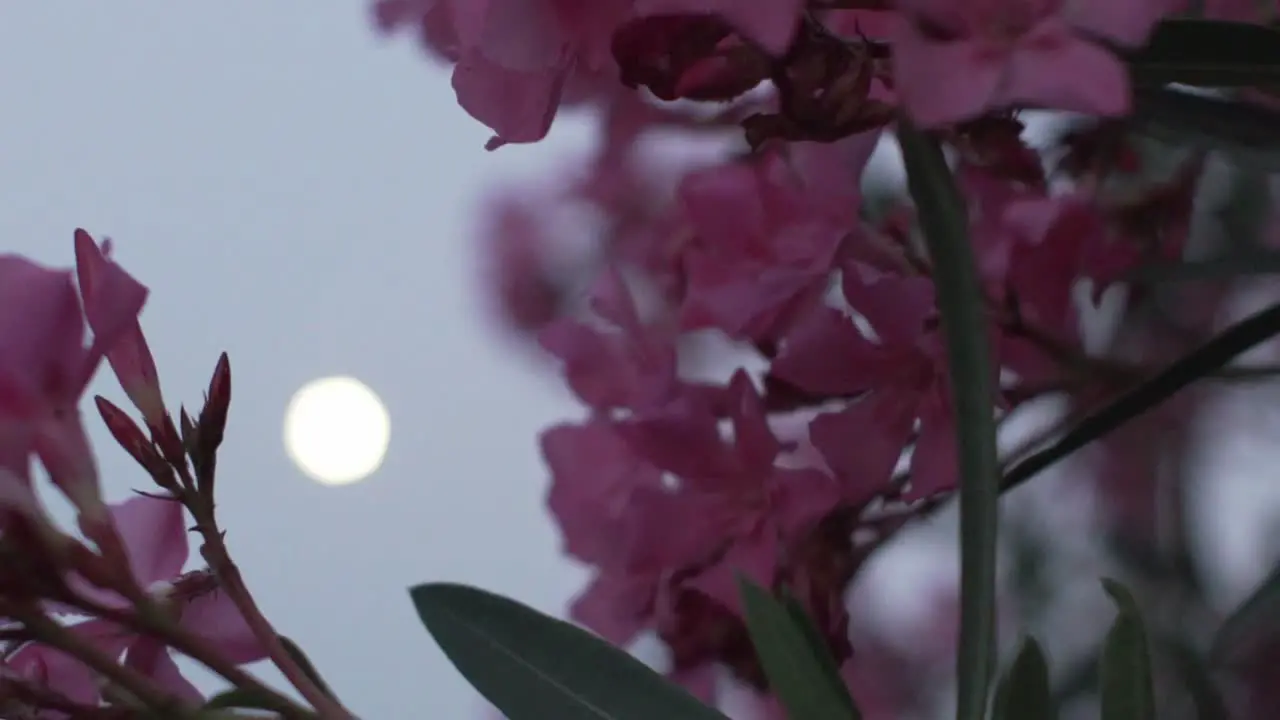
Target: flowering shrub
x,y
878,344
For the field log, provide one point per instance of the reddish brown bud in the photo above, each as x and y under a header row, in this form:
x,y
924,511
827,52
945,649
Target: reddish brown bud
x,y
824,91
131,438
213,417
166,438
206,436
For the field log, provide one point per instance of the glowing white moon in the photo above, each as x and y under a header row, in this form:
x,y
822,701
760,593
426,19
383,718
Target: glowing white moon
x,y
336,430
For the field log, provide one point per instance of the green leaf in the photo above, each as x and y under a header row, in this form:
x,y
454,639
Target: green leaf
x,y
1247,132
1211,53
1197,678
800,670
815,640
1257,618
240,698
305,665
1127,691
533,667
1024,693
960,301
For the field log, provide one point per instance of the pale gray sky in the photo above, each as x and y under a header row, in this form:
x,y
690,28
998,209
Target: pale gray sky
x,y
301,194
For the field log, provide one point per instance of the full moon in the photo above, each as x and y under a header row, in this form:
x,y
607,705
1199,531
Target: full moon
x,y
336,430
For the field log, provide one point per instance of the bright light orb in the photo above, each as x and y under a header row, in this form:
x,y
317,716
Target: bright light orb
x,y
336,430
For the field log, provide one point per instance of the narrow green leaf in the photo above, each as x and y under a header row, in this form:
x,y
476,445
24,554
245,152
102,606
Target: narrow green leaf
x,y
305,665
1197,678
240,698
1257,618
1023,693
1247,132
1127,691
533,667
1211,53
814,639
960,302
798,670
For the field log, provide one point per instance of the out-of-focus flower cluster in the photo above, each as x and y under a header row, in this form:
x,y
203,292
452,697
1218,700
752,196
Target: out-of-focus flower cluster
x,y
674,483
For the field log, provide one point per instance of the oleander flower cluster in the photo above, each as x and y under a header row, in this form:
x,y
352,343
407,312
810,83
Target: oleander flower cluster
x,y
92,619
836,426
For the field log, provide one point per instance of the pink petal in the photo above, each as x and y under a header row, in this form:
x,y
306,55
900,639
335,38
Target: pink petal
x,y
754,557
51,668
756,444
42,355
686,443
666,530
863,442
64,674
722,203
152,659
63,448
216,618
112,297
519,106
615,606
934,462
833,171
941,83
591,364
112,300
771,23
523,36
802,498
1054,69
896,306
155,535
611,299
594,478
743,300
825,354
699,681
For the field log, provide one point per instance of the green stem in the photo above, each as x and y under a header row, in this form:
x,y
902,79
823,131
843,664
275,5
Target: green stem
x,y
1196,365
961,303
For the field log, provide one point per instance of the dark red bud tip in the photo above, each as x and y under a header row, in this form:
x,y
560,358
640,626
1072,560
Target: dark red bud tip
x,y
135,442
213,417
170,443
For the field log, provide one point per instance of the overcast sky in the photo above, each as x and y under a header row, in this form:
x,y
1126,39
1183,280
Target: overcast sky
x,y
300,194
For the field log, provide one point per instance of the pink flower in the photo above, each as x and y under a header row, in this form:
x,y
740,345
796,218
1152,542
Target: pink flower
x,y
735,502
632,366
770,23
53,670
595,479
514,58
109,295
597,482
898,380
955,60
525,295
764,246
45,367
153,530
